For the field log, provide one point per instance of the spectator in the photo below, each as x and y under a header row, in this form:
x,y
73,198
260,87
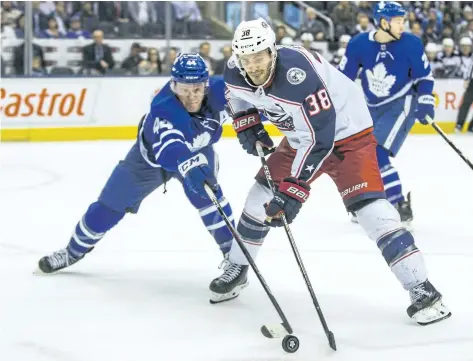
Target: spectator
x,y
411,19
467,17
37,67
430,36
343,41
449,58
98,55
447,32
337,58
61,16
313,25
220,64
204,51
364,25
280,33
134,59
111,11
343,16
433,21
366,7
20,27
465,57
416,29
447,19
142,12
88,19
9,13
287,41
435,64
76,31
469,30
152,65
40,20
186,10
52,32
8,31
19,56
169,61
307,40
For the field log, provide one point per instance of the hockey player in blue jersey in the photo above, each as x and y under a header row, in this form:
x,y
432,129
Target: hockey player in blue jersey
x,y
397,81
175,140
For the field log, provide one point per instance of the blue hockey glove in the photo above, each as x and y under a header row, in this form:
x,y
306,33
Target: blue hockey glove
x,y
292,193
250,130
196,172
425,107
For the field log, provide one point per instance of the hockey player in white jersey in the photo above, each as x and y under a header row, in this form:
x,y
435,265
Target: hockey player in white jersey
x,y
397,82
328,129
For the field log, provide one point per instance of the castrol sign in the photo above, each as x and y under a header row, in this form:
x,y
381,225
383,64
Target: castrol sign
x,y
36,102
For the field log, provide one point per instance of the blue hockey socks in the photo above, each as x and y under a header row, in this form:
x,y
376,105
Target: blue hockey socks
x,y
91,228
392,183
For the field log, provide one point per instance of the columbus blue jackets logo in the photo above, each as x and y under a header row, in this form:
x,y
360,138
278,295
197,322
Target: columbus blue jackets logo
x,y
295,76
280,118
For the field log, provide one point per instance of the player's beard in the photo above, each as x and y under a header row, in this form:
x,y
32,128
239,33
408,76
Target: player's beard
x,y
262,75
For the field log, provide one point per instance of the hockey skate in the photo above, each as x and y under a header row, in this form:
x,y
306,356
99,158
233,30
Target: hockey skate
x,y
427,306
57,261
230,283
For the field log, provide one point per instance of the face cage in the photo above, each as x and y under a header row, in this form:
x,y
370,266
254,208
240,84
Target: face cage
x,y
274,54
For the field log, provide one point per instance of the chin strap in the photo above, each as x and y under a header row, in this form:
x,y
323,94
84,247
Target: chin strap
x,y
388,30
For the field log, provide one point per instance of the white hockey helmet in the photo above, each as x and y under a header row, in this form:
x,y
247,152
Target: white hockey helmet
x,y
252,37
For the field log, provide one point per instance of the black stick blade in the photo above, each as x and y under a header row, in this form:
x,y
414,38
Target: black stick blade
x,y
275,331
331,341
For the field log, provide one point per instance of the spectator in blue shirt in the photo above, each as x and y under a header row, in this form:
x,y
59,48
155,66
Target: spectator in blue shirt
x,y
75,29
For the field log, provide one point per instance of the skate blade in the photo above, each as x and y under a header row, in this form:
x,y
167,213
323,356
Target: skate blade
x,y
435,313
222,297
38,272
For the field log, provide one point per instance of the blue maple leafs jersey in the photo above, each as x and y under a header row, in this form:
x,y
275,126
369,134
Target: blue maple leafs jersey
x,y
168,132
388,71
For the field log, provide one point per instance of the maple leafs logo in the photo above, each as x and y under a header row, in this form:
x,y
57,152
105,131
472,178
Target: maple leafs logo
x,y
379,82
199,142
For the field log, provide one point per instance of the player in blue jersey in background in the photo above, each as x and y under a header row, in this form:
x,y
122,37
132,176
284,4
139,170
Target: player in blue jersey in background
x,y
397,82
175,140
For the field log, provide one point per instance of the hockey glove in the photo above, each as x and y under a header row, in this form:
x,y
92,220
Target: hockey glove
x,y
288,199
250,130
425,107
196,172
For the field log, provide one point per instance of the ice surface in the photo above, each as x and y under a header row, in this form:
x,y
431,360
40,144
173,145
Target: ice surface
x,y
142,295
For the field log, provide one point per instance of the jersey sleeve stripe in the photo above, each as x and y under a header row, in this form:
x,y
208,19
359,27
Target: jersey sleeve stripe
x,y
165,134
170,141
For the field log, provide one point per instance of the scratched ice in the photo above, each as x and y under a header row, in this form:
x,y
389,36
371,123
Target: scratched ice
x,y
142,294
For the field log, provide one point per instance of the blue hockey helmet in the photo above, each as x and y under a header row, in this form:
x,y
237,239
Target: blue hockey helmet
x,y
387,10
189,68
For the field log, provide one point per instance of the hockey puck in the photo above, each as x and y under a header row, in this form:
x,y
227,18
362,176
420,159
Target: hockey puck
x,y
290,343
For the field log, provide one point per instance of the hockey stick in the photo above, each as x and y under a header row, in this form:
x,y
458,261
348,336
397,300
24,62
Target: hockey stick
x,y
269,179
270,331
450,143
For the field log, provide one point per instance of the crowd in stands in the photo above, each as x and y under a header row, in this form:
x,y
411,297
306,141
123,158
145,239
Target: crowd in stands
x,y
117,19
445,27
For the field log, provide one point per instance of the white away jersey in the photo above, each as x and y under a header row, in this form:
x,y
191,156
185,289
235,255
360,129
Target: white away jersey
x,y
313,104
